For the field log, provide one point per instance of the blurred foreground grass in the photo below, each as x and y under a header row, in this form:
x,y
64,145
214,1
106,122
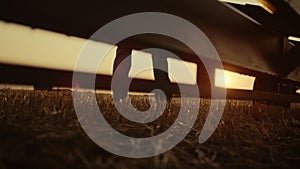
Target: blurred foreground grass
x,y
39,129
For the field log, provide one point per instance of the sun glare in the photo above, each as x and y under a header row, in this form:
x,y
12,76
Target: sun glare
x,y
233,80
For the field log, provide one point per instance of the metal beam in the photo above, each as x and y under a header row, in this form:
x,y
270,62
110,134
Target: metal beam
x,y
31,76
290,61
238,41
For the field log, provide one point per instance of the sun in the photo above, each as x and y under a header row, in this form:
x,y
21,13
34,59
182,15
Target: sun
x,y
227,80
233,80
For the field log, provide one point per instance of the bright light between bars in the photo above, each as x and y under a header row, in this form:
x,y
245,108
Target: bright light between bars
x,y
233,80
182,71
262,3
22,45
293,38
243,2
141,65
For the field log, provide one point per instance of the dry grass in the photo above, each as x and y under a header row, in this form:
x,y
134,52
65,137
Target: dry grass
x,y
39,129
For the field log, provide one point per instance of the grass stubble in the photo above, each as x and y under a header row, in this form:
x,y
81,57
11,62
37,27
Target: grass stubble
x,y
40,129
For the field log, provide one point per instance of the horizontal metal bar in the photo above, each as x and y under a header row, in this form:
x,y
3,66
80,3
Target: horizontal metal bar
x,y
32,76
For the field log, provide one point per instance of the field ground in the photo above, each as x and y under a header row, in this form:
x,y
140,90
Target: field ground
x,y
39,129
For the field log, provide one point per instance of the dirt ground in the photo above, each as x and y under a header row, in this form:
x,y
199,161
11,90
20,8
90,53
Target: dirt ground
x,y
40,129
